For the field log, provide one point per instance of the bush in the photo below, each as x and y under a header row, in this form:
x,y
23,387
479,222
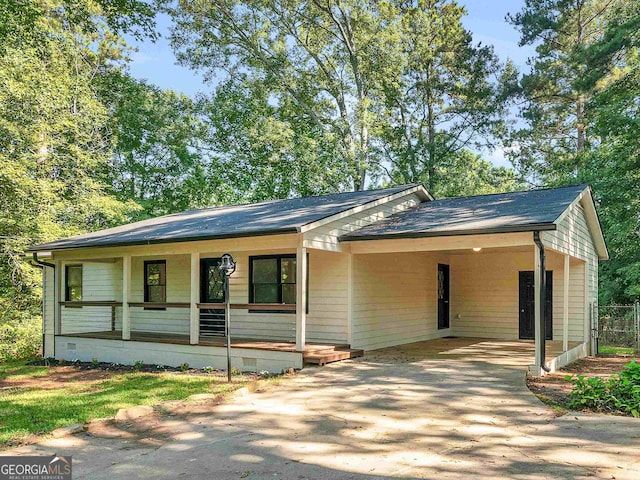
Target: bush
x,y
20,337
619,394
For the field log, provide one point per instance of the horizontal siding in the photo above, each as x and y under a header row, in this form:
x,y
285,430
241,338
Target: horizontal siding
x,y
574,238
48,296
327,320
485,294
326,236
394,299
48,299
171,320
101,281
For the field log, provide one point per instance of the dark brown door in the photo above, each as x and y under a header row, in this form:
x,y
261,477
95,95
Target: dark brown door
x,y
527,306
443,296
212,321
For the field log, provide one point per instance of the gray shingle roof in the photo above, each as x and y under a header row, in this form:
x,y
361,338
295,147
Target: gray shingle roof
x,y
266,218
495,213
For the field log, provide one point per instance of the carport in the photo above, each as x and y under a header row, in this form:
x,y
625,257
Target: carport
x,y
520,268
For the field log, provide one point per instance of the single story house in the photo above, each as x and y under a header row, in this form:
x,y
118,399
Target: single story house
x,y
323,278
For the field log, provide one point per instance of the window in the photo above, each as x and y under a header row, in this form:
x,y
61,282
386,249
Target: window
x,y
155,281
73,283
272,279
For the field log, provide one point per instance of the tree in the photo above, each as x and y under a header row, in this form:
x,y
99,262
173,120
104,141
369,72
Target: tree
x,y
157,158
264,151
53,139
612,167
581,110
447,96
360,74
554,98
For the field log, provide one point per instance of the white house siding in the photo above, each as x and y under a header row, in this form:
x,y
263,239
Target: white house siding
x,y
171,320
326,236
327,320
101,281
395,299
276,326
48,276
327,317
485,293
574,238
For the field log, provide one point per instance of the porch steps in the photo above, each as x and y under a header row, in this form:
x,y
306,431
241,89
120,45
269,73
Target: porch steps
x,y
331,354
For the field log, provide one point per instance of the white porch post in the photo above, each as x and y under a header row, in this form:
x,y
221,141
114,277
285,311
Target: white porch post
x,y
301,298
565,305
57,298
126,294
194,321
537,282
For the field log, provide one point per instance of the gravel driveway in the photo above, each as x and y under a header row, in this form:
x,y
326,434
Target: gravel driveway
x,y
446,409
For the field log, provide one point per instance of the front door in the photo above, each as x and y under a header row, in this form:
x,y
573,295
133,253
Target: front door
x,y
212,321
527,306
443,296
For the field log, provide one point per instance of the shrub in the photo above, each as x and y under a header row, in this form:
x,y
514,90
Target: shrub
x,y
184,367
20,337
137,366
236,371
95,363
619,394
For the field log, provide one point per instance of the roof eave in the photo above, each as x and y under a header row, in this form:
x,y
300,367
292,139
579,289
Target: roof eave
x,y
451,233
51,246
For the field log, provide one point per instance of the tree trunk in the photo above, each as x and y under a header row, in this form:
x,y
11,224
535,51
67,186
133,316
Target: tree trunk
x,y
581,129
431,168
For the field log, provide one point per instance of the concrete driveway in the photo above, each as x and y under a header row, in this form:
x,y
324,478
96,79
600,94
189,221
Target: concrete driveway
x,y
446,409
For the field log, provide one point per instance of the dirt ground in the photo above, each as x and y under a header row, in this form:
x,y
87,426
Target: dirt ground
x,y
554,389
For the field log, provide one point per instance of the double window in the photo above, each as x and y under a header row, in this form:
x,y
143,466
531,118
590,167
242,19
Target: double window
x,y
272,279
73,283
155,281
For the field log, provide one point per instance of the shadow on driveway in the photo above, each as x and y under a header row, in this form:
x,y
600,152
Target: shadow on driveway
x,y
442,409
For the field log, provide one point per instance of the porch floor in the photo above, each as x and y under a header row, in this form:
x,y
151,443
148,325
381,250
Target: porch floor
x,y
182,339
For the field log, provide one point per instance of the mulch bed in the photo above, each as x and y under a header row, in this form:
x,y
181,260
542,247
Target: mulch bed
x,y
554,389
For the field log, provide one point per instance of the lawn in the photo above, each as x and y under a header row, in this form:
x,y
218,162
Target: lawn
x,y
39,399
605,350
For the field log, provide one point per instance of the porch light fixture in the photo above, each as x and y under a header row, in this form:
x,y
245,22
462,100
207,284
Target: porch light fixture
x,y
476,249
227,266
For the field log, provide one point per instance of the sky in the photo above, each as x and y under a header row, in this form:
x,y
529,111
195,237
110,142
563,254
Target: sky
x,y
156,62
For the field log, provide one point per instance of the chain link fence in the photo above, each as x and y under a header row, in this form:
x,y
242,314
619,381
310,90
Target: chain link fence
x,y
618,328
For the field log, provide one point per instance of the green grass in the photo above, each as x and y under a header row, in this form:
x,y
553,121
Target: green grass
x,y
17,369
25,412
605,350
